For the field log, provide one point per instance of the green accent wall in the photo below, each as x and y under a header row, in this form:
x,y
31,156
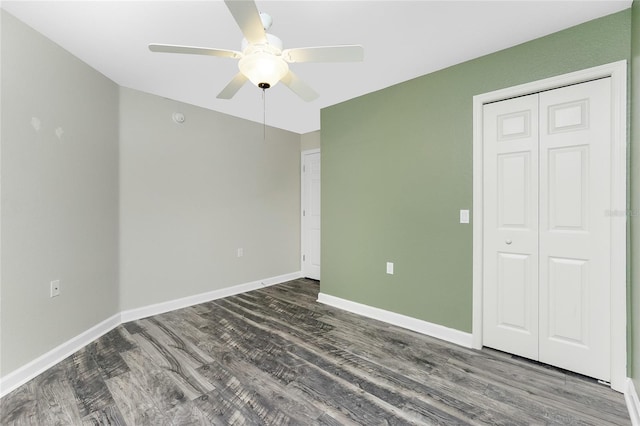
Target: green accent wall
x,y
397,168
635,195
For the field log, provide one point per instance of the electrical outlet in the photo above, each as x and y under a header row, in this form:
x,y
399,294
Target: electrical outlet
x,y
240,252
54,288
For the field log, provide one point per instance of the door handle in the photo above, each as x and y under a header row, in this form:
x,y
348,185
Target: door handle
x,y
508,242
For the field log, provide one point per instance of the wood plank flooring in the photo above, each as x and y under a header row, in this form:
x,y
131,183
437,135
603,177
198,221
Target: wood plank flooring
x,y
275,356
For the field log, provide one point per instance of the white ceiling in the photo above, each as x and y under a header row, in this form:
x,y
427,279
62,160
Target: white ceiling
x,y
402,40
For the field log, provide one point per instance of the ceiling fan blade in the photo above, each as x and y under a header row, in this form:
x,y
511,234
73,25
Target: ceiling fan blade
x,y
172,48
246,14
299,87
232,88
346,53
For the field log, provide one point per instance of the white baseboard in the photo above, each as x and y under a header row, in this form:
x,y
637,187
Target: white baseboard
x,y
633,403
28,371
172,305
434,330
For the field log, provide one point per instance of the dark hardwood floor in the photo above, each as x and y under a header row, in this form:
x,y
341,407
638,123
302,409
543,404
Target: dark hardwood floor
x,y
275,356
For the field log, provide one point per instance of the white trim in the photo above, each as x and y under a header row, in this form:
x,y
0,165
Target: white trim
x,y
430,329
633,403
302,198
28,371
619,226
618,73
172,305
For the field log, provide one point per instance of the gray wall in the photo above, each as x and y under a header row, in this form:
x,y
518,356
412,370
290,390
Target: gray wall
x,y
59,210
126,208
310,140
191,194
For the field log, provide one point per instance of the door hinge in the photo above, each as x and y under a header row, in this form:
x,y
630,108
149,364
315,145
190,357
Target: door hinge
x,y
304,168
304,257
304,212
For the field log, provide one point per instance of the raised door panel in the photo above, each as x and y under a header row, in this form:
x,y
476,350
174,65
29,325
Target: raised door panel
x,y
568,188
514,187
569,301
514,284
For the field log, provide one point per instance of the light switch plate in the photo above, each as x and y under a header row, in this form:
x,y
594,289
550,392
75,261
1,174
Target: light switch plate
x,y
390,268
464,216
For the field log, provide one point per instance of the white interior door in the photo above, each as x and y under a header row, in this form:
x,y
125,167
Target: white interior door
x,y
311,214
511,226
575,162
547,184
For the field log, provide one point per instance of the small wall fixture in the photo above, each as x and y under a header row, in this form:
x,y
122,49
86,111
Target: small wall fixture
x,y
178,117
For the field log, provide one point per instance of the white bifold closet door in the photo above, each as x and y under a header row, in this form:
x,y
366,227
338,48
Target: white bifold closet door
x,y
547,180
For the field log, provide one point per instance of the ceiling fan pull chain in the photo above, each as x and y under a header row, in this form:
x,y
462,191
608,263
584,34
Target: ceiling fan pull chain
x,y
264,114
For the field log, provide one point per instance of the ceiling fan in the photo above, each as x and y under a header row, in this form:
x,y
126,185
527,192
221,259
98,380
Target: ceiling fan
x,y
262,59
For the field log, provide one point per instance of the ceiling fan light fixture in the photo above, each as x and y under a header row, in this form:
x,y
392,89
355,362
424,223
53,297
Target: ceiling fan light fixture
x,y
262,59
263,68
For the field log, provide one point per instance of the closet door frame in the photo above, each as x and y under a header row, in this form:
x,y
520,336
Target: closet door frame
x,y
618,73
